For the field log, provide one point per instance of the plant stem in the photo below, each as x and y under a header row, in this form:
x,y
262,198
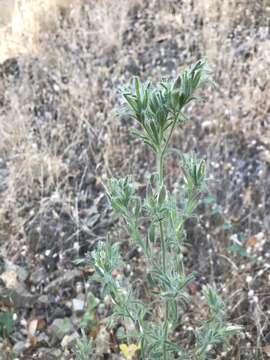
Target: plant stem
x,y
160,167
161,153
163,246
169,137
160,158
163,249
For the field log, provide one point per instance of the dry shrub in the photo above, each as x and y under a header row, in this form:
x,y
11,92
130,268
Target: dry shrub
x,y
23,20
54,113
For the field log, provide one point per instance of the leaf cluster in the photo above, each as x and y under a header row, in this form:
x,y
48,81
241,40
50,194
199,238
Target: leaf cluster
x,y
157,108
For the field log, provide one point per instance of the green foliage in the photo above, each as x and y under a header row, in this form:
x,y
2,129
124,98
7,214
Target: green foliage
x,y
89,320
158,110
214,331
194,172
83,349
6,323
238,247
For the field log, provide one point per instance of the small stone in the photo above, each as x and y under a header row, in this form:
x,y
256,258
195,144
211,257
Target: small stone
x,y
62,312
59,328
78,306
44,300
17,296
49,354
69,341
42,339
103,342
56,88
120,333
19,347
38,276
67,279
79,287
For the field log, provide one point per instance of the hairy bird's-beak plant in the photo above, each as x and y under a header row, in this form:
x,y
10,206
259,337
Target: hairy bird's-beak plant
x,y
158,110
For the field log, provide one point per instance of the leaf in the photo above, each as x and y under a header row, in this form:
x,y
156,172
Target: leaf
x,y
6,323
161,195
238,249
151,233
226,226
129,351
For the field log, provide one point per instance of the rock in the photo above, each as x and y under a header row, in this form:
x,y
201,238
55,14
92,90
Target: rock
x,y
120,333
42,340
59,328
44,300
49,354
10,279
79,288
17,296
78,306
244,49
19,348
21,272
69,278
69,341
103,342
38,276
60,312
10,68
22,298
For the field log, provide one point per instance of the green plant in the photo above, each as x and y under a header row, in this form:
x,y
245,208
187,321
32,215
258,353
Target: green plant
x,y
6,323
89,319
158,110
83,349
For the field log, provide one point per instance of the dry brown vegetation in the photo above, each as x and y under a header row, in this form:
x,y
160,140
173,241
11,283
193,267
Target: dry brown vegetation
x,y
62,62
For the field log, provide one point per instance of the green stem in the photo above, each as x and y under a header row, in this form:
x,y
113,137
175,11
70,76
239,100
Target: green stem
x,y
169,137
161,153
163,246
163,250
160,169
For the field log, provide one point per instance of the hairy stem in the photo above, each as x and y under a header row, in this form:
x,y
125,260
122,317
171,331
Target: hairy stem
x,y
160,167
161,153
163,246
160,170
163,250
169,137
